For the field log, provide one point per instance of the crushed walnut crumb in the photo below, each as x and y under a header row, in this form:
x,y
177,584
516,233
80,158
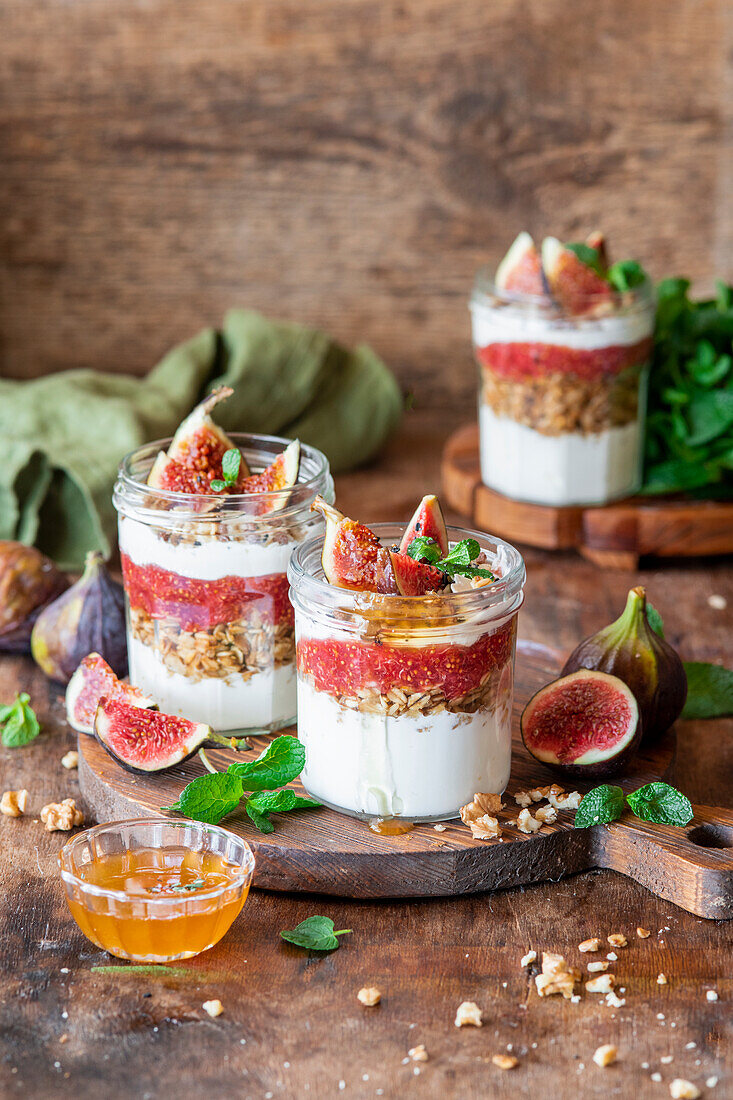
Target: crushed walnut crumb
x,y
479,816
618,939
680,1089
546,814
505,1061
522,798
418,1053
643,933
13,803
369,995
605,1055
604,983
526,823
70,759
556,976
61,816
593,944
213,1008
711,995
538,793
528,959
440,828
598,966
565,801
468,1014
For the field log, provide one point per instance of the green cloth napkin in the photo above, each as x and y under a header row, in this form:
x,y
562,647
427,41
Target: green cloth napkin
x,y
62,436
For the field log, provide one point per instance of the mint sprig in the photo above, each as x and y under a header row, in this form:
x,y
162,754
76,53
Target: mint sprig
x,y
315,934
626,275
656,802
456,561
19,722
230,464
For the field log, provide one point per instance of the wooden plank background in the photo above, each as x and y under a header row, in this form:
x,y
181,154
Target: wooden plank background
x,y
344,162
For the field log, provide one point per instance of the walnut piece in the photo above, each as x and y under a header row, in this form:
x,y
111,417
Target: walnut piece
x,y
597,967
613,1001
13,803
661,979
214,1008
528,959
526,823
468,1014
522,798
418,1053
369,995
680,1089
604,983
556,976
61,816
593,944
478,815
618,939
546,814
643,933
70,759
565,801
505,1061
553,791
605,1055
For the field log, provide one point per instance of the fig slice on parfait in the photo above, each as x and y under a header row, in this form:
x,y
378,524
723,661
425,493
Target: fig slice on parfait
x,y
196,455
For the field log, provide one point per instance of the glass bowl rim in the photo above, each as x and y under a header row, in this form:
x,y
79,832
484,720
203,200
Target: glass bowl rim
x,y
85,887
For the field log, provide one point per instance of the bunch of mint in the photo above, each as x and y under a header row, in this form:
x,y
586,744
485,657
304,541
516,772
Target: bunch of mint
x,y
456,561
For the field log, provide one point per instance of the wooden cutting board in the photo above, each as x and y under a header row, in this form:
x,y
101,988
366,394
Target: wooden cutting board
x,y
614,536
329,853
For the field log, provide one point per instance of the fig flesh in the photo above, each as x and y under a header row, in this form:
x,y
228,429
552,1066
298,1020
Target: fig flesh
x,y
146,740
597,241
194,458
415,578
92,680
280,474
520,272
352,555
574,285
427,521
631,650
28,582
88,618
586,724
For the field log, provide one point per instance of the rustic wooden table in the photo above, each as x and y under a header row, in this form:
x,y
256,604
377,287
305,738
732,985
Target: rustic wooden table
x,y
292,1025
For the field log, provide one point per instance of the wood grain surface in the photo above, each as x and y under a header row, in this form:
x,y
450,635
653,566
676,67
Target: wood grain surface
x,y
342,162
303,1029
614,536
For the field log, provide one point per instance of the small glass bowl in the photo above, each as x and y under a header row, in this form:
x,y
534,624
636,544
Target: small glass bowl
x,y
148,927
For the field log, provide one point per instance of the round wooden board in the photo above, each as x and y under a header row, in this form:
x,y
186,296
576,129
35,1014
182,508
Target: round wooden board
x,y
614,536
326,852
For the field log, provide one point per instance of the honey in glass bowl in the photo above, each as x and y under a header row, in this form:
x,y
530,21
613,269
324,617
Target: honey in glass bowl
x,y
155,891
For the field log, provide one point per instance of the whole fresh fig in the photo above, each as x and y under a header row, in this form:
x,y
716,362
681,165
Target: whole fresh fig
x,y
28,581
89,617
631,650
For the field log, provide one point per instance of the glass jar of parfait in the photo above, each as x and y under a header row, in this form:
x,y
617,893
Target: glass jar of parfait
x,y
563,344
404,701
210,629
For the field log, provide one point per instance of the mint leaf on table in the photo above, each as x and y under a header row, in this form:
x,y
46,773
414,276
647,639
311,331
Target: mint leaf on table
x,y
20,725
282,761
209,798
260,805
660,803
315,933
599,806
709,690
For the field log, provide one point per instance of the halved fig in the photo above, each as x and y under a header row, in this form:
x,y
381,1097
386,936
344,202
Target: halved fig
x,y
92,680
415,578
574,285
194,458
520,272
428,521
586,724
280,474
352,555
146,740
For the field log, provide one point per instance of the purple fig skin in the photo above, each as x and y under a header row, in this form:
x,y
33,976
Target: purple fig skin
x,y
29,581
617,761
89,617
631,650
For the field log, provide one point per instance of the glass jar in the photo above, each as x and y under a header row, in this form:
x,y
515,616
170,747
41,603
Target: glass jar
x,y
210,631
404,703
562,399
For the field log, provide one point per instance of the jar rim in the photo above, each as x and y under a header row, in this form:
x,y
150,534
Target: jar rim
x,y
485,293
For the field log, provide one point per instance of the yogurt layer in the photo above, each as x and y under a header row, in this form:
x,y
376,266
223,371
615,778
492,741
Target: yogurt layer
x,y
507,325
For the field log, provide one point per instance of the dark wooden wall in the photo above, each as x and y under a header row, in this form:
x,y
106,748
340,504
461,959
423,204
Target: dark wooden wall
x,y
345,162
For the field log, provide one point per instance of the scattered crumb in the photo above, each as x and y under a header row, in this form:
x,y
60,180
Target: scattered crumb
x,y
612,956
718,603
593,944
691,1045
711,995
618,939
666,1059
597,966
70,759
522,798
63,1038
566,801
604,983
61,816
479,816
575,999
657,1077
468,1014
711,1082
528,959
526,823
660,1015
643,933
546,814
418,1053
605,1055
440,828
680,1089
615,1002
505,1061
661,979
13,803
214,1008
556,976
369,995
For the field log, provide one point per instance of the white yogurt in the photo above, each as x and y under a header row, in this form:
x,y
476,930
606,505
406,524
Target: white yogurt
x,y
504,325
265,699
570,468
419,768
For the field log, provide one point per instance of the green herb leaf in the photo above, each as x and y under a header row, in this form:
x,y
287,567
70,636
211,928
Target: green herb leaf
x,y
591,257
463,553
315,933
281,762
662,804
457,561
259,805
602,804
654,619
230,464
209,798
626,274
20,723
217,485
424,549
709,690
195,885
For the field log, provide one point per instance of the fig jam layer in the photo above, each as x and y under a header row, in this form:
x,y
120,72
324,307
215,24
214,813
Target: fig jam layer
x,y
520,361
342,668
200,605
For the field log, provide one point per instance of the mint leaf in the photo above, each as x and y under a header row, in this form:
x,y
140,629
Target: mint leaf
x,y
626,274
230,464
258,806
654,619
709,690
602,804
282,761
217,485
425,549
20,723
587,255
209,798
660,803
315,933
463,553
